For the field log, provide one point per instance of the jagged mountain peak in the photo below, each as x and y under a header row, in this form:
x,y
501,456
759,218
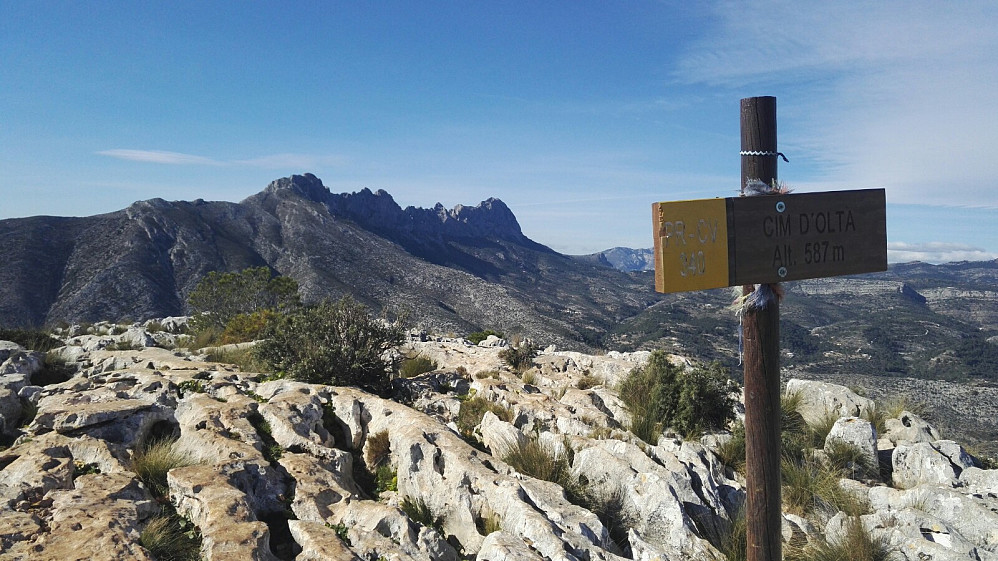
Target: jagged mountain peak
x,y
307,185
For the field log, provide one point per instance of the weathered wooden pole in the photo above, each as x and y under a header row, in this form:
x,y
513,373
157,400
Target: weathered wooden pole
x,y
761,355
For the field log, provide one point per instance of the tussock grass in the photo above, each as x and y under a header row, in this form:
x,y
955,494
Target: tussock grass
x,y
540,462
378,449
416,365
856,545
732,452
472,411
811,487
155,459
168,537
588,381
847,459
419,512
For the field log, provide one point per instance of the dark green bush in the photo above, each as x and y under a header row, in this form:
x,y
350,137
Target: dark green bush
x,y
334,343
690,401
414,366
31,340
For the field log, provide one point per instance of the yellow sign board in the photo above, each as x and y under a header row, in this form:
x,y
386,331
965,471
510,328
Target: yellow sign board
x,y
691,245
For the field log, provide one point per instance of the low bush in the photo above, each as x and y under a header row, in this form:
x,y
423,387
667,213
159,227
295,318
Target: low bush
x,y
248,327
334,343
30,339
416,365
691,401
848,460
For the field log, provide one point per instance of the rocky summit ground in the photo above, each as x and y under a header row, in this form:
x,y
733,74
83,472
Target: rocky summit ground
x,y
285,470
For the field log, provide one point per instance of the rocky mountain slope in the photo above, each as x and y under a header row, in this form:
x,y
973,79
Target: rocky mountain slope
x,y
457,270
277,468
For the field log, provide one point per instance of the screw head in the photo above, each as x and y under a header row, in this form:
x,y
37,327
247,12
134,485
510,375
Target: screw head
x,y
782,271
781,206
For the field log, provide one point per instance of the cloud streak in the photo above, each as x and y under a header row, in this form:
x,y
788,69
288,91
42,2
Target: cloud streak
x,y
273,161
936,252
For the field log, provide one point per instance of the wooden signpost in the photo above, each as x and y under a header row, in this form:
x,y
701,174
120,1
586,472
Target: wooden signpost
x,y
713,243
765,239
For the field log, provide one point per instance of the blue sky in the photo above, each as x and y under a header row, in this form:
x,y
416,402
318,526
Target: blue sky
x,y
578,114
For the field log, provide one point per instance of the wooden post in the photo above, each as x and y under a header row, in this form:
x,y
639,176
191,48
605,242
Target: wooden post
x,y
761,355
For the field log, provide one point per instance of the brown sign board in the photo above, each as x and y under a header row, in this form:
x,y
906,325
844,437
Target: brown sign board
x,y
713,243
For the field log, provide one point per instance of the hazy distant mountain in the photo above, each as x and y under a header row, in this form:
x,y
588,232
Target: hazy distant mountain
x,y
455,270
626,259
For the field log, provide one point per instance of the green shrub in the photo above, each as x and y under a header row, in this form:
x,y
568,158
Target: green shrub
x,y
220,297
386,479
152,461
414,366
691,401
479,336
520,356
473,410
334,343
31,340
248,327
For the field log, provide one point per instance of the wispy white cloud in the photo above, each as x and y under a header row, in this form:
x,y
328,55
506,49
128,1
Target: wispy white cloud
x,y
273,161
936,252
887,94
160,157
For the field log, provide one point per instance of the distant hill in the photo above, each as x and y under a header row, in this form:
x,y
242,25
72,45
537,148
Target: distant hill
x,y
470,268
626,259
455,270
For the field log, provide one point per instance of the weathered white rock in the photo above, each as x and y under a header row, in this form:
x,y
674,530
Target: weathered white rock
x,y
7,348
958,523
857,432
10,410
819,399
500,546
980,481
319,543
492,341
229,526
136,337
925,463
498,436
22,362
98,519
909,428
